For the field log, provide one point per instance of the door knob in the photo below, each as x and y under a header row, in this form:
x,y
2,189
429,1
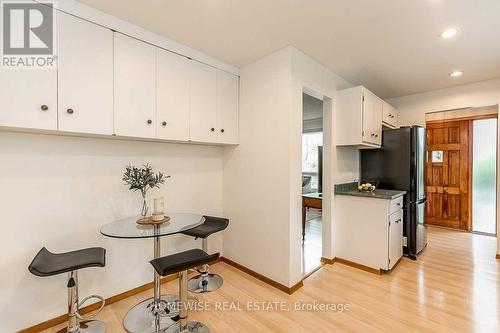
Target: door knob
x,y
149,121
70,111
164,123
44,107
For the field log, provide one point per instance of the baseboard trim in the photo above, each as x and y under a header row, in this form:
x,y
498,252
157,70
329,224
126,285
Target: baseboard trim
x,y
277,285
327,261
92,307
497,256
358,266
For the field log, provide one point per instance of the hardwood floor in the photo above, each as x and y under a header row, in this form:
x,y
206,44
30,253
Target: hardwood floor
x,y
453,287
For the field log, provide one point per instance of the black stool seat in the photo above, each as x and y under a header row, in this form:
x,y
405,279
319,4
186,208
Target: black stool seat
x,y
211,225
182,261
47,263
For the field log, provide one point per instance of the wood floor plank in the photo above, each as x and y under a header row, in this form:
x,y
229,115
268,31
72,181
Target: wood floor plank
x,y
453,287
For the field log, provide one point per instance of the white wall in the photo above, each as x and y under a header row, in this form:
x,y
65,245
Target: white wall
x,y
58,191
412,110
262,176
256,173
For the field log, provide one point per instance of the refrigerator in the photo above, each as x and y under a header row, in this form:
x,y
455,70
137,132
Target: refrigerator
x,y
400,165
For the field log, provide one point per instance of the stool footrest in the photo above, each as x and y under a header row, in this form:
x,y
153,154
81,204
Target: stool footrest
x,y
92,314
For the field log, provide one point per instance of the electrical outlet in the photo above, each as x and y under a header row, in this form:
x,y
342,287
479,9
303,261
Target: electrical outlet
x,y
405,241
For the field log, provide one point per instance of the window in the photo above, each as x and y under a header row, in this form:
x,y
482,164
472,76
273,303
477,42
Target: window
x,y
310,143
437,156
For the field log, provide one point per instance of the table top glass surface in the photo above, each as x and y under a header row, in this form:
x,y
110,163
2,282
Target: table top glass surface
x,y
129,228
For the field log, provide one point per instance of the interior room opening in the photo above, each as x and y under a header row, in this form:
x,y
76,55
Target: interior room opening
x,y
312,181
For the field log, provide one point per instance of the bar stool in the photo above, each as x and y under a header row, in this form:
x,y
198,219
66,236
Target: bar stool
x,y
181,263
206,281
46,263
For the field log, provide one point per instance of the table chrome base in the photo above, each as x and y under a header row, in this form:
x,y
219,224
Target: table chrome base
x,y
192,326
142,318
91,326
205,284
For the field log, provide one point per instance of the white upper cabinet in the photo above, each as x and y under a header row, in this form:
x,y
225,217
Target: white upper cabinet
x,y
227,107
29,98
372,118
172,96
390,116
134,87
358,118
85,88
203,103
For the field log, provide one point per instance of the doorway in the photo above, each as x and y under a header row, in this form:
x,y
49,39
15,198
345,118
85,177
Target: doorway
x,y
312,181
461,169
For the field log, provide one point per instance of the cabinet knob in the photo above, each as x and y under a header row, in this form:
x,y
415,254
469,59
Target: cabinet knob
x,y
164,123
376,135
149,121
222,130
373,134
212,129
44,107
70,111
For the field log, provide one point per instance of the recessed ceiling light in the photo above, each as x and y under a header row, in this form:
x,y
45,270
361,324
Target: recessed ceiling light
x,y
456,73
448,33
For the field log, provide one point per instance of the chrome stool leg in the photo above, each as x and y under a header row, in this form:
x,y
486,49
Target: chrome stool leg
x,y
74,324
205,282
183,325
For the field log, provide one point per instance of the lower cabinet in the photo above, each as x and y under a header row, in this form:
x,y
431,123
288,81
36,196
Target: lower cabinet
x,y
369,231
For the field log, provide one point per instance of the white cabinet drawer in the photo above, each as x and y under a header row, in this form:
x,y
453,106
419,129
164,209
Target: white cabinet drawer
x,y
395,205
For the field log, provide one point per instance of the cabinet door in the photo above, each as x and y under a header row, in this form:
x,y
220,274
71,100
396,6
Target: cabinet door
x,y
203,103
227,107
29,98
372,118
172,96
85,86
395,238
389,116
134,87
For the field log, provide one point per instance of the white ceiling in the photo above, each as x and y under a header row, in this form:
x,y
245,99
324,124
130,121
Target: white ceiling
x,y
390,46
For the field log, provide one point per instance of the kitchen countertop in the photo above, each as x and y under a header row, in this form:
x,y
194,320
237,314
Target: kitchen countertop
x,y
352,190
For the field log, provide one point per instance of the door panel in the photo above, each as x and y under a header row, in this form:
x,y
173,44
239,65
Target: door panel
x,y
172,96
203,103
448,176
85,86
134,87
227,107
395,237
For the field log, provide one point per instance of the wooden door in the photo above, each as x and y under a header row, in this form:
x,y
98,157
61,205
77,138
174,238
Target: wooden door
x,y
134,87
172,96
227,107
85,86
448,177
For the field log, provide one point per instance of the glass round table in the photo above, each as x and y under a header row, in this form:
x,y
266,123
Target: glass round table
x,y
153,314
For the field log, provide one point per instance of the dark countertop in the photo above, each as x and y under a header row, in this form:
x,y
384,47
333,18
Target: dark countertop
x,y
352,190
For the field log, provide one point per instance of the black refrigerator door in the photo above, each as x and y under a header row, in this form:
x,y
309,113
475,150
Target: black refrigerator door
x,y
391,164
418,163
421,233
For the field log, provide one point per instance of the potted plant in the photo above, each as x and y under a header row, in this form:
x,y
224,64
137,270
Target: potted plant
x,y
143,179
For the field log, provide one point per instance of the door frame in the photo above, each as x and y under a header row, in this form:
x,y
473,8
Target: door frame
x,y
470,119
